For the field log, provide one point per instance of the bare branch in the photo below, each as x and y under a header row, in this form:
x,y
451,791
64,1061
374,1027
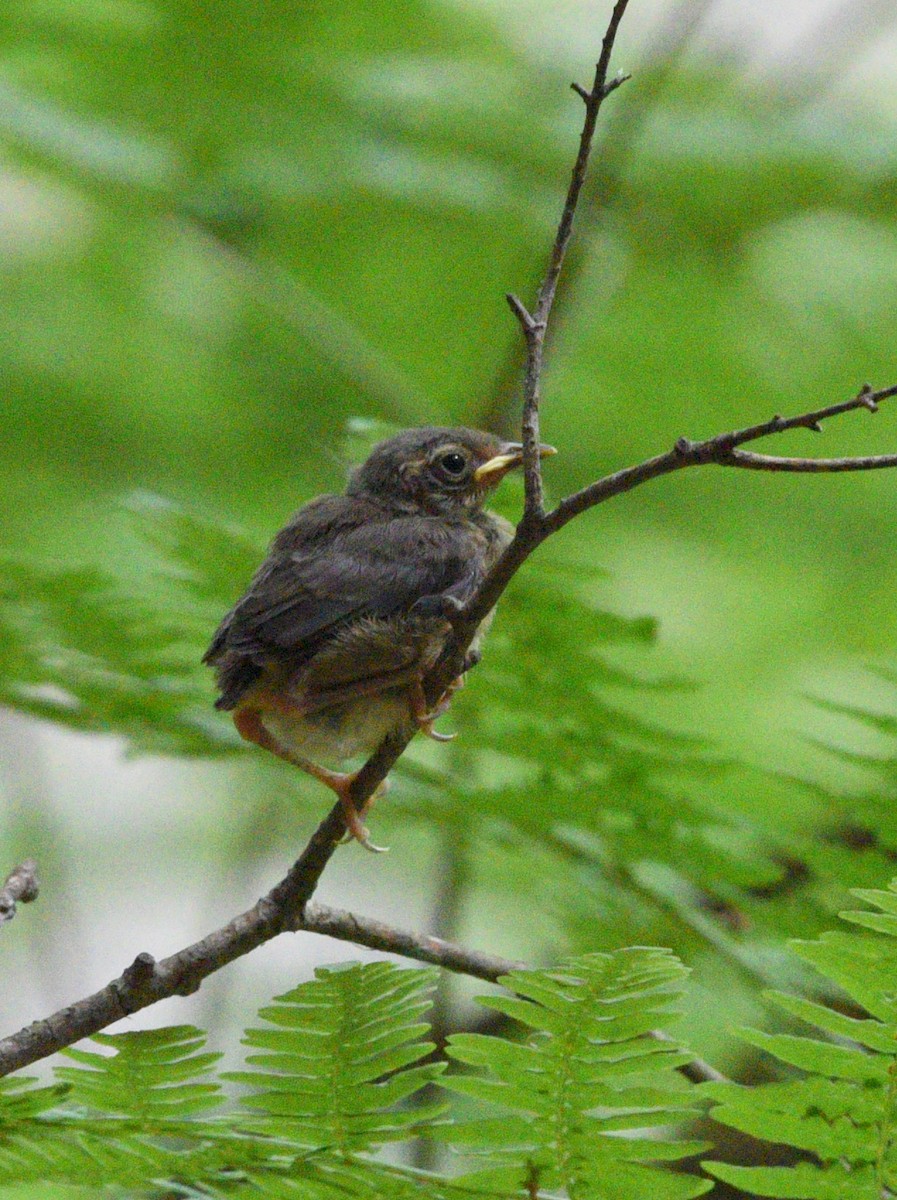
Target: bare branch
x,y
362,931
522,313
593,101
534,325
722,450
20,886
773,462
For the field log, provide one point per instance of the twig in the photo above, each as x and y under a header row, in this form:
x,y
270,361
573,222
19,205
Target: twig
x,y
535,325
722,451
20,886
363,931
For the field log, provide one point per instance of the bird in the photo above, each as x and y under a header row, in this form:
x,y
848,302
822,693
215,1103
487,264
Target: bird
x,y
325,653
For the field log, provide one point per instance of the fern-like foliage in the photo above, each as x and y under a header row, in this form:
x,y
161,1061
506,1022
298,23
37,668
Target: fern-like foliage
x,y
130,1116
336,1073
95,651
339,1054
840,1115
564,1101
155,1079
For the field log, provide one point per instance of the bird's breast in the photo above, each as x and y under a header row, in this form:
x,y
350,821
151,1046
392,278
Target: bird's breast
x,y
354,691
334,735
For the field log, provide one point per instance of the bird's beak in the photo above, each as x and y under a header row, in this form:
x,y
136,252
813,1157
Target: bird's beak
x,y
510,455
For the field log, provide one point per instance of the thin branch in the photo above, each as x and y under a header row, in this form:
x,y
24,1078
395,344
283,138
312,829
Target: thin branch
x,y
363,931
20,886
807,466
593,100
663,50
534,325
722,451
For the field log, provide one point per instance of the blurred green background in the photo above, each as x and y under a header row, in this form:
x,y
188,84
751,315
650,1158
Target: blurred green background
x,y
227,230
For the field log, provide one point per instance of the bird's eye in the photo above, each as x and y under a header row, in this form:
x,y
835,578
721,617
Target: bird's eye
x,y
453,463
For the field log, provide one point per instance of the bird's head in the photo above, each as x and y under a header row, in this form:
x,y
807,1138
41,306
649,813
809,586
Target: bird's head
x,y
438,470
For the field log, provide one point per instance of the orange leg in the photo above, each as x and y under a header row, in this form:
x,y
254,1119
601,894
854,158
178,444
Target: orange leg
x,y
249,726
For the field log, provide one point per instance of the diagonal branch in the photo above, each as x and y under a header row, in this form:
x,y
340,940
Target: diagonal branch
x,y
722,450
146,981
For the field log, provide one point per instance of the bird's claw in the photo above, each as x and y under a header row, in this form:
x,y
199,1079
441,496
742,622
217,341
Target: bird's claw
x,y
363,840
430,732
355,830
424,719
368,845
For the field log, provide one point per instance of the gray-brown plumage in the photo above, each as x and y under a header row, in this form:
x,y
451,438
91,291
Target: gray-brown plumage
x,y
324,654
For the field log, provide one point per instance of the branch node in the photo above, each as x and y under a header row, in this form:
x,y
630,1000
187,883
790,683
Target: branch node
x,y
133,989
816,426
141,969
684,447
613,84
20,886
527,321
866,399
584,94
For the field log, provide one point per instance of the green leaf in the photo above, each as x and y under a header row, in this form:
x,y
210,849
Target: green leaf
x,y
586,1070
843,1109
802,1182
346,1045
151,1077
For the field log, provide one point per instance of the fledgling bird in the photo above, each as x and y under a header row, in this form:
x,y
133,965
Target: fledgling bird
x,y
325,653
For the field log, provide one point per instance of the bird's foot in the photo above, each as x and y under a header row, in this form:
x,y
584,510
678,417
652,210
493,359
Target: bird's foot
x,y
341,783
250,726
425,719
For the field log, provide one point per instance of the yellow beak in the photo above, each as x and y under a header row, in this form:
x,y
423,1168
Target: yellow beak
x,y
510,455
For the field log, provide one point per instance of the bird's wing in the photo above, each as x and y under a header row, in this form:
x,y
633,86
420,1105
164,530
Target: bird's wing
x,y
323,573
